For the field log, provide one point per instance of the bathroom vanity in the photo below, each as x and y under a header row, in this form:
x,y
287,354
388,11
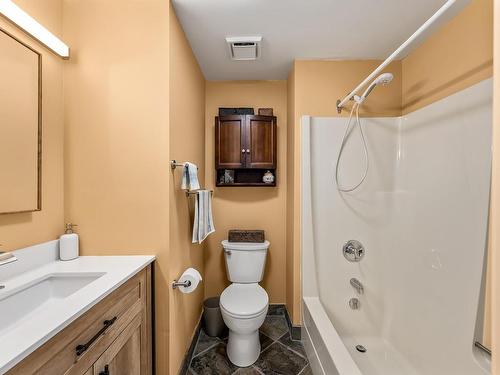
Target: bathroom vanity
x,y
91,315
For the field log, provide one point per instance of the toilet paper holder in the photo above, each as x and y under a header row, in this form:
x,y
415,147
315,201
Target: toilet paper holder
x,y
185,284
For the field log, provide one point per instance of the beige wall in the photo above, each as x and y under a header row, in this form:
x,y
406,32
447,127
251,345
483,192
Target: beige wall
x,y
117,177
24,229
455,57
187,143
495,201
318,84
248,208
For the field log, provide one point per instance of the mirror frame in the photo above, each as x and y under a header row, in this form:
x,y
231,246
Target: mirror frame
x,y
39,129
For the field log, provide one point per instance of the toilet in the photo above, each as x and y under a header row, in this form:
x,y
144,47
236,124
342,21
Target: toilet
x,y
244,303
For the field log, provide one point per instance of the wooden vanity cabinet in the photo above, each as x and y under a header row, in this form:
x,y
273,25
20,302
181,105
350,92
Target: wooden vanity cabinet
x,y
246,144
113,338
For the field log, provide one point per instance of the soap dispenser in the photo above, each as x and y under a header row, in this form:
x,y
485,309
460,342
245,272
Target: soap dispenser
x,y
68,243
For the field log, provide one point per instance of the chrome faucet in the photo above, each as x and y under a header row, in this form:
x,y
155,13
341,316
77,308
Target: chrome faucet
x,y
353,251
356,284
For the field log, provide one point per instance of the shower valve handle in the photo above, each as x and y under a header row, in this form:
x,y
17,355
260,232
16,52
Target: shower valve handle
x,y
353,251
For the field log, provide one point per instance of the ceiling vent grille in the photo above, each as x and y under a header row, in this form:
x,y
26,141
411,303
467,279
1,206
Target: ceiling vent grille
x,y
244,48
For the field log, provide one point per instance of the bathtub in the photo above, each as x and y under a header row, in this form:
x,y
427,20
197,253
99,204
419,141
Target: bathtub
x,y
324,347
422,217
329,354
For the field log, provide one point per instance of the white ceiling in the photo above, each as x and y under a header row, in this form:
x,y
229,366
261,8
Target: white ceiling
x,y
299,29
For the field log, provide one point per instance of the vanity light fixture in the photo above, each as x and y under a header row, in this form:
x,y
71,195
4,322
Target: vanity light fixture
x,y
31,26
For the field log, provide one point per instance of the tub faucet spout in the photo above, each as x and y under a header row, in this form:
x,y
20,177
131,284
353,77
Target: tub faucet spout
x,y
356,284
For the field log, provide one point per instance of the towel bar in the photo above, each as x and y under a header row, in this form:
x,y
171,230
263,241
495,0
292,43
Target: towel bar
x,y
174,164
188,193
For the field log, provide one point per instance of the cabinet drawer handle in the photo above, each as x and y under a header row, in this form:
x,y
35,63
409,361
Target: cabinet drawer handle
x,y
80,349
105,371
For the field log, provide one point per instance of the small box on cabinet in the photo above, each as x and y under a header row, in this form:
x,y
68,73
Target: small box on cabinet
x,y
265,112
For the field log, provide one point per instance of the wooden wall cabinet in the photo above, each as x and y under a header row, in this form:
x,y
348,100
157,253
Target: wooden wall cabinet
x,y
247,145
124,348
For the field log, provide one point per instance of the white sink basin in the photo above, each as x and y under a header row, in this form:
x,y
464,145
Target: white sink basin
x,y
26,301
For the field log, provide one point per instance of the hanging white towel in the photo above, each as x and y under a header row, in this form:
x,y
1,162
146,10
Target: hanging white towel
x,y
203,223
190,177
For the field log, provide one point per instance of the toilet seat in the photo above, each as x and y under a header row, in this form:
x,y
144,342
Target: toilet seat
x,y
244,301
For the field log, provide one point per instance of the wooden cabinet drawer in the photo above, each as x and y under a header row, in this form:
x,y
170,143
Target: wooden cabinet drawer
x,y
59,354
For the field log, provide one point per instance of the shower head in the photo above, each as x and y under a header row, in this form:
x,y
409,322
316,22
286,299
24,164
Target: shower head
x,y
383,80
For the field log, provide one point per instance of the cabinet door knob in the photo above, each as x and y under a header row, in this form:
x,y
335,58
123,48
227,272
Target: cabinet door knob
x,y
248,150
242,150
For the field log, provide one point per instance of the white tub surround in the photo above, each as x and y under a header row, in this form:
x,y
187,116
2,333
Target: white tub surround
x,y
42,295
421,215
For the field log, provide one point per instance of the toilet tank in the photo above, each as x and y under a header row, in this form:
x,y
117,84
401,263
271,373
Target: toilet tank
x,y
245,261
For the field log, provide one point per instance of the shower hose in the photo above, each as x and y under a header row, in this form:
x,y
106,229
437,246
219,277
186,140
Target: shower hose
x,y
355,109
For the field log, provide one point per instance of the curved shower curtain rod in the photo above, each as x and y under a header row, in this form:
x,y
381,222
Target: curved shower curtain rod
x,y
396,53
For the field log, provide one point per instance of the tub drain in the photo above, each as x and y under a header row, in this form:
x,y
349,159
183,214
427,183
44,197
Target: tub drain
x,y
361,348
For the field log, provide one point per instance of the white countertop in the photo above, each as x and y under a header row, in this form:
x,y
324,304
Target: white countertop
x,y
27,335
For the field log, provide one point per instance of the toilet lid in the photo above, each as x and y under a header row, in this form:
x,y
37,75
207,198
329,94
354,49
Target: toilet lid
x,y
244,299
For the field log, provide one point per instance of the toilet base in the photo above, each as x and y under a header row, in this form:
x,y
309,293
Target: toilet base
x,y
243,349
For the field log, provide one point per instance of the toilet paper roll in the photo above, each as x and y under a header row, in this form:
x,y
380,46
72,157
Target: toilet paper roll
x,y
191,275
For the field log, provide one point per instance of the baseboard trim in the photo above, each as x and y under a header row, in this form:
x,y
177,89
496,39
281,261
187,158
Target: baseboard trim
x,y
295,331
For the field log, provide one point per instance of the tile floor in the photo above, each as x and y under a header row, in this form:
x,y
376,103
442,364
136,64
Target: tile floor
x,y
280,354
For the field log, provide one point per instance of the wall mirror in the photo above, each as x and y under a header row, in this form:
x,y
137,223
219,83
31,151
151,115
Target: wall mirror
x,y
20,126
